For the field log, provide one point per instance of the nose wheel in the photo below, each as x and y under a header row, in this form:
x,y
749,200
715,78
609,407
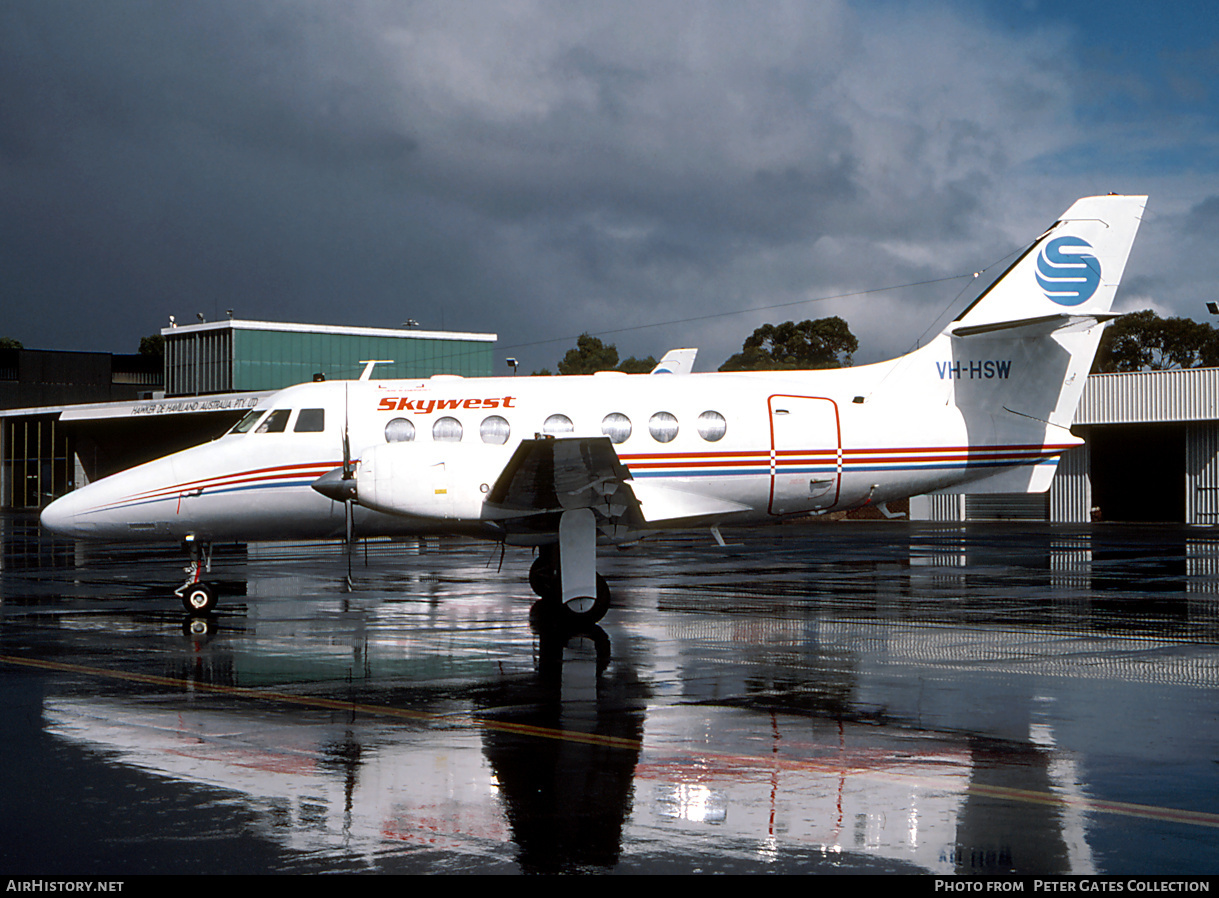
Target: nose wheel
x,y
197,596
200,598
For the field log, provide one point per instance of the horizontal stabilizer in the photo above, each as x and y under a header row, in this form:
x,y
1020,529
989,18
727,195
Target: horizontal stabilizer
x,y
1026,479
1033,327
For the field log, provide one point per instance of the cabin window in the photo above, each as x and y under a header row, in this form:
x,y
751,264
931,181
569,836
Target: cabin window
x,y
399,430
712,426
310,420
276,422
494,429
558,424
663,427
447,430
617,427
251,418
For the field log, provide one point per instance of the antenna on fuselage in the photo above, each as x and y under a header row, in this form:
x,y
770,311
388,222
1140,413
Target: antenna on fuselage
x,y
369,364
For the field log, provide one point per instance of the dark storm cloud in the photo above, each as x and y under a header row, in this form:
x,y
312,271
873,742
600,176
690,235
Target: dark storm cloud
x,y
532,168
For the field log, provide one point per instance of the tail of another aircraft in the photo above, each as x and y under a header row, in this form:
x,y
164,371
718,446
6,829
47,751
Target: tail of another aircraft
x,y
1016,360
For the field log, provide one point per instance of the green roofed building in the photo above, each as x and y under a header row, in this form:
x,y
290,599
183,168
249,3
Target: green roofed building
x,y
69,418
243,356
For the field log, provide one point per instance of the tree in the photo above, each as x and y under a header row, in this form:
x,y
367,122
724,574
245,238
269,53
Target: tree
x,y
638,366
589,356
1144,341
592,355
824,343
10,343
153,345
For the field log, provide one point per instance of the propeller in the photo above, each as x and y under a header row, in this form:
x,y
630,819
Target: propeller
x,y
339,485
350,490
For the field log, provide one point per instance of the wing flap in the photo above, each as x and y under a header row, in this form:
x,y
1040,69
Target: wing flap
x,y
555,475
662,503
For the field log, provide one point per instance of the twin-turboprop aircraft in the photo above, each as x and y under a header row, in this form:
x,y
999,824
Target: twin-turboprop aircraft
x,y
564,464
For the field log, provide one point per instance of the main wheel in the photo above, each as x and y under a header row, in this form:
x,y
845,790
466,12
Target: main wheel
x,y
584,611
200,598
544,577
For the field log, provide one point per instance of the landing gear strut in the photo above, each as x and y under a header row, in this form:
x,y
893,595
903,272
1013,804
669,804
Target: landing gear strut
x,y
565,575
197,596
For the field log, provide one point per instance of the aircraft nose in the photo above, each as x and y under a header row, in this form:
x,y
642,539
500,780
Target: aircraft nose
x,y
60,516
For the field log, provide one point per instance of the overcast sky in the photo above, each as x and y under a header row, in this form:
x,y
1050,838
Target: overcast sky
x,y
539,169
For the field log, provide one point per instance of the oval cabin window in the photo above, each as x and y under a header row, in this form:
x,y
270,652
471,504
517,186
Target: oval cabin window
x,y
447,430
663,427
712,426
399,430
494,429
617,427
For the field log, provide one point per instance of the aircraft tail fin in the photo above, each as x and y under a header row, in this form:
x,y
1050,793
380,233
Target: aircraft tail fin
x,y
676,361
1073,268
1018,357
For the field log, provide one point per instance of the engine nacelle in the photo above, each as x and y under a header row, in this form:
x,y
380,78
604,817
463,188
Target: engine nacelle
x,y
447,481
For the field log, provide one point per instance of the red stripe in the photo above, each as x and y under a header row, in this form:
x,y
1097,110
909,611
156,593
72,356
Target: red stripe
x,y
289,471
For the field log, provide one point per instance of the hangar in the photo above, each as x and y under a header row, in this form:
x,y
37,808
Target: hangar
x,y
68,418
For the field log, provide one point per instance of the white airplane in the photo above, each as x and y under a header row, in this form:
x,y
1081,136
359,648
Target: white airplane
x,y
566,463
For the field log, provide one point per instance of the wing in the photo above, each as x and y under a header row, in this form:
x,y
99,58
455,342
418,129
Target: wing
x,y
549,476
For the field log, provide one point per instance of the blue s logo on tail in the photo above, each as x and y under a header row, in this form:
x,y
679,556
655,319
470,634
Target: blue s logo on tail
x,y
1068,275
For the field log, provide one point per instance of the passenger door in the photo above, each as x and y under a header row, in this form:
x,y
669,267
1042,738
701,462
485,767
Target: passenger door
x,y
805,454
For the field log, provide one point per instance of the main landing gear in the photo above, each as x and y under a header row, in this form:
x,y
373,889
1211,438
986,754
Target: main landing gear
x,y
197,596
573,594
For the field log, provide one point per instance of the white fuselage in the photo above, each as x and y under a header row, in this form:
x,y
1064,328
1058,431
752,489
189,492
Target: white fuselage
x,y
700,448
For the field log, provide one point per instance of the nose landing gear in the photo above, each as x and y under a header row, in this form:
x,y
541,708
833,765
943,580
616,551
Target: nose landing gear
x,y
197,596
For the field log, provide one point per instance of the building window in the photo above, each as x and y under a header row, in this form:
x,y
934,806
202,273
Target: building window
x,y
558,424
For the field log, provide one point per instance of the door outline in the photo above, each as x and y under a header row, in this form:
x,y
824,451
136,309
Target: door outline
x,y
786,451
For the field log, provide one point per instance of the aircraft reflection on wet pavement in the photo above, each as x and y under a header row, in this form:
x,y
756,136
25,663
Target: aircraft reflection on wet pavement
x,y
870,697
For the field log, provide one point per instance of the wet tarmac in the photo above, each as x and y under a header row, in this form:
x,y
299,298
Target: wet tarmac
x,y
848,697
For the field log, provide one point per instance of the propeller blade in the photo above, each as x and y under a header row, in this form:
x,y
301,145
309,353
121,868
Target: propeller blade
x,y
349,490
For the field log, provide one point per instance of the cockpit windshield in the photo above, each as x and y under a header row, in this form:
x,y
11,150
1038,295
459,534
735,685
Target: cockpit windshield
x,y
309,420
251,418
274,422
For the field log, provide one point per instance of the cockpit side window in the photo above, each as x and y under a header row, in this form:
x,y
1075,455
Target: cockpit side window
x,y
310,420
275,422
251,418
